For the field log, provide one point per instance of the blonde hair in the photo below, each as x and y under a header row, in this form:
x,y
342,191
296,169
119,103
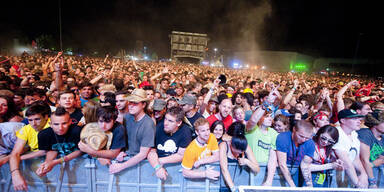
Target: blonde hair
x,y
90,109
200,121
108,88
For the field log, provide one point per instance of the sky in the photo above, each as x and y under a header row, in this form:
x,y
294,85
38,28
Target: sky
x,y
324,28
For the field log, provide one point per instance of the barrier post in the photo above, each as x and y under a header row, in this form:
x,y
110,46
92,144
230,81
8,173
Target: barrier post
x,y
111,177
159,183
90,175
60,178
206,180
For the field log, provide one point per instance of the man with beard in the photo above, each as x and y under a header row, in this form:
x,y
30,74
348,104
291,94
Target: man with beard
x,y
188,103
121,105
225,109
159,110
172,137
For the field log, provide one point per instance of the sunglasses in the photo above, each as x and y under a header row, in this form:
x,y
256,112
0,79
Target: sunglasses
x,y
325,139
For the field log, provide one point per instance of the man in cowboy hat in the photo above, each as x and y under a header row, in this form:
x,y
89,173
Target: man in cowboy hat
x,y
96,147
140,130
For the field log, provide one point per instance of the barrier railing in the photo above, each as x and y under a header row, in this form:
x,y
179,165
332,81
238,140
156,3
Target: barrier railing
x,y
84,174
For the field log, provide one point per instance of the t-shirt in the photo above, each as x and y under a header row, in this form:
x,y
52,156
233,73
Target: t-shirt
x,y
76,116
195,151
284,143
349,144
8,137
64,144
29,134
119,138
261,143
194,118
140,133
169,144
227,121
376,147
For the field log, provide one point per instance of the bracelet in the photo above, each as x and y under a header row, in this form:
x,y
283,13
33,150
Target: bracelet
x,y
17,169
373,165
157,167
62,160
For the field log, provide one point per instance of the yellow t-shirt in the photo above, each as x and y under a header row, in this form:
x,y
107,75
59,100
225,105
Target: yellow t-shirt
x,y
29,134
195,151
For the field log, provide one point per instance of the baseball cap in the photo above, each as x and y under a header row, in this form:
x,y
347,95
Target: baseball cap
x,y
159,104
188,99
348,113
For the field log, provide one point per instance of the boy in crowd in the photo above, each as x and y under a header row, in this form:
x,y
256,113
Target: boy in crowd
x,y
107,123
172,137
38,118
61,138
202,150
66,99
347,149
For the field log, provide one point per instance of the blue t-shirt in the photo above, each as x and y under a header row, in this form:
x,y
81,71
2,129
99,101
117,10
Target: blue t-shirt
x,y
284,143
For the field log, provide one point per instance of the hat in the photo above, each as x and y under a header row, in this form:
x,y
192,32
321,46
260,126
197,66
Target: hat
x,y
171,92
248,90
92,135
137,95
188,99
375,118
214,99
159,104
348,113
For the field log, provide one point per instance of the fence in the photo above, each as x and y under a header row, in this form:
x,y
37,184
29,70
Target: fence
x,y
84,174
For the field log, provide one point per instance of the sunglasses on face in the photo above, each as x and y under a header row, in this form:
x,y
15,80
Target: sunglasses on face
x,y
325,139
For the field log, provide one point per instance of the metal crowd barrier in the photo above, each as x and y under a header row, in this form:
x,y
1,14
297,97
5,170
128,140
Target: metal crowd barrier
x,y
84,174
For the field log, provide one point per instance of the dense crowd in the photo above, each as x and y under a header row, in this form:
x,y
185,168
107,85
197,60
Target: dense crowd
x,y
61,107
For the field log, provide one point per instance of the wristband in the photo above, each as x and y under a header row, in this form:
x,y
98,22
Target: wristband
x,y
62,160
17,169
233,189
373,165
157,167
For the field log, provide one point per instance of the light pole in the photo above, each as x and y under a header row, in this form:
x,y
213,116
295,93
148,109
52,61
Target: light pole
x,y
61,40
356,50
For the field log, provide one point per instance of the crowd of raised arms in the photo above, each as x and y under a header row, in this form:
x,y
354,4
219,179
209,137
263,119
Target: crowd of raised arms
x,y
62,107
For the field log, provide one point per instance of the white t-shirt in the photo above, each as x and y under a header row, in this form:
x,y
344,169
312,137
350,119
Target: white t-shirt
x,y
349,144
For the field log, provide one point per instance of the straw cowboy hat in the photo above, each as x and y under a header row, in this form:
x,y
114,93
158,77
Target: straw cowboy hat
x,y
95,137
137,95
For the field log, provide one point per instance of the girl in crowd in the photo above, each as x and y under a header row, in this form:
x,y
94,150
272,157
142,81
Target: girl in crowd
x,y
320,119
89,112
238,114
324,140
281,123
217,128
8,111
236,150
